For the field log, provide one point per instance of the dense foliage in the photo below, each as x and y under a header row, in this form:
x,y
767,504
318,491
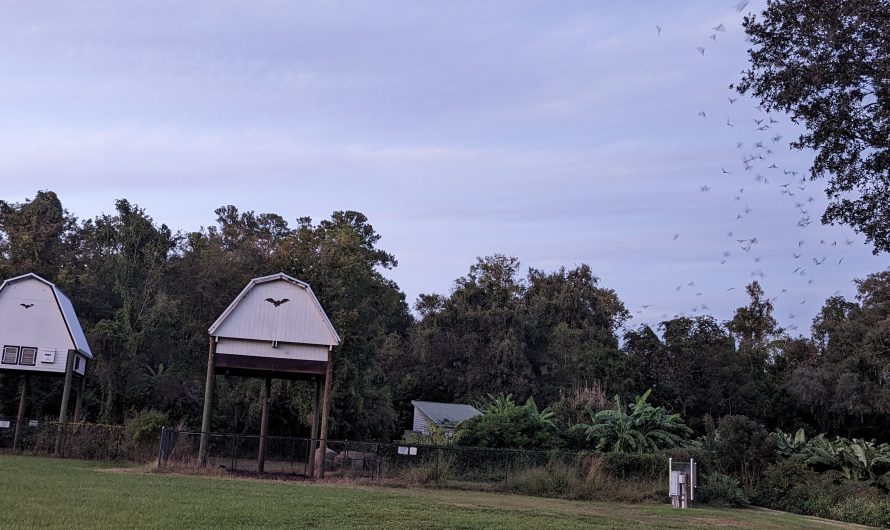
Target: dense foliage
x,y
146,295
645,429
504,424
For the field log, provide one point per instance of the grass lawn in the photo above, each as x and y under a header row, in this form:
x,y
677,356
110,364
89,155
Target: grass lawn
x,y
51,493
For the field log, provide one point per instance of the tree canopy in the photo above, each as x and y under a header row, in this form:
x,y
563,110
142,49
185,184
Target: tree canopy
x,y
827,64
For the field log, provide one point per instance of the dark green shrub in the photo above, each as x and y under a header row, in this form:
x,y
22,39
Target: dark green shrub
x,y
506,425
743,448
791,486
633,465
721,490
142,433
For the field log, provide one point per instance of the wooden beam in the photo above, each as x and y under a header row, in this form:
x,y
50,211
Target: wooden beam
x,y
255,366
78,405
208,402
323,434
20,418
313,432
264,424
66,394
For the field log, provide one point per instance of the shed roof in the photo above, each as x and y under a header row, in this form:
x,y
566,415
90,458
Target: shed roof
x,y
447,414
268,324
65,308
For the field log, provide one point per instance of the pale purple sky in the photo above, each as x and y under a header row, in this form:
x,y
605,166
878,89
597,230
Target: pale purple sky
x,y
561,133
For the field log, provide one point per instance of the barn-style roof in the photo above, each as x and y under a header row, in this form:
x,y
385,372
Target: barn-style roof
x,y
446,414
65,308
276,308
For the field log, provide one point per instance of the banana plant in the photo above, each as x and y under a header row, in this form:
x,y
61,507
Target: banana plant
x,y
790,444
645,429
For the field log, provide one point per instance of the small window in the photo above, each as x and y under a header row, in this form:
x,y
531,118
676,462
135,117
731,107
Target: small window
x,y
10,355
77,363
29,356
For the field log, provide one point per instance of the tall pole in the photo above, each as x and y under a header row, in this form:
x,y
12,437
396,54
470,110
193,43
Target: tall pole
x,y
313,433
20,418
264,424
208,401
78,404
323,434
66,394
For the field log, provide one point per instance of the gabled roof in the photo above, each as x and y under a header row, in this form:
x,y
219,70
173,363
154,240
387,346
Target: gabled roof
x,y
65,308
446,414
323,334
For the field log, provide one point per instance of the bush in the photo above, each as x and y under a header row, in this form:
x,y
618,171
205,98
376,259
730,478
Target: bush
x,y
142,433
722,490
865,510
86,441
791,486
743,447
558,480
633,465
588,480
509,426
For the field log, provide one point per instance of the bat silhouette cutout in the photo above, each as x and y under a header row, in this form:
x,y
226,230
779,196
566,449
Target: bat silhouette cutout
x,y
26,306
277,303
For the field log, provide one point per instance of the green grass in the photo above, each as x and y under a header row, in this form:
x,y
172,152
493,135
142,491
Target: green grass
x,y
50,493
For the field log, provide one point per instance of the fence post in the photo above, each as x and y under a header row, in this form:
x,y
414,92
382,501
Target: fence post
x,y
506,467
161,446
232,467
20,418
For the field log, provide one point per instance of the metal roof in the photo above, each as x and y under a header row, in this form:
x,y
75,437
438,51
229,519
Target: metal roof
x,y
67,310
446,414
325,334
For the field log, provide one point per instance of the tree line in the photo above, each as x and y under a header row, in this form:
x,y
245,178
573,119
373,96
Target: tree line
x,y
146,295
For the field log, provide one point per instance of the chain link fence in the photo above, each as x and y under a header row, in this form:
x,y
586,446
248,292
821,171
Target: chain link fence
x,y
397,461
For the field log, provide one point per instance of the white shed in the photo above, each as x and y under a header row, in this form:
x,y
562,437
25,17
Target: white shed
x,y
41,335
277,325
445,416
275,328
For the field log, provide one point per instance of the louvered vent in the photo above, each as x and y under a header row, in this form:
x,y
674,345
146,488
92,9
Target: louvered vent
x,y
29,356
10,354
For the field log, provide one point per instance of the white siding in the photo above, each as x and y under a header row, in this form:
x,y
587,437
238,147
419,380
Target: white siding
x,y
41,325
285,350
297,321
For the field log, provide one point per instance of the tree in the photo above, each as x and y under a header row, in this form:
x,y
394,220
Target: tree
x,y
498,332
693,369
827,64
35,236
743,447
844,387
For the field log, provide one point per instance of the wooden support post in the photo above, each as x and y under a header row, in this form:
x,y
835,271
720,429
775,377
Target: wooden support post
x,y
20,418
78,405
323,434
66,394
313,432
208,402
264,424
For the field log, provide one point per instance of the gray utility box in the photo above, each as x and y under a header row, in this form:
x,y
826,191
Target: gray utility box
x,y
682,481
